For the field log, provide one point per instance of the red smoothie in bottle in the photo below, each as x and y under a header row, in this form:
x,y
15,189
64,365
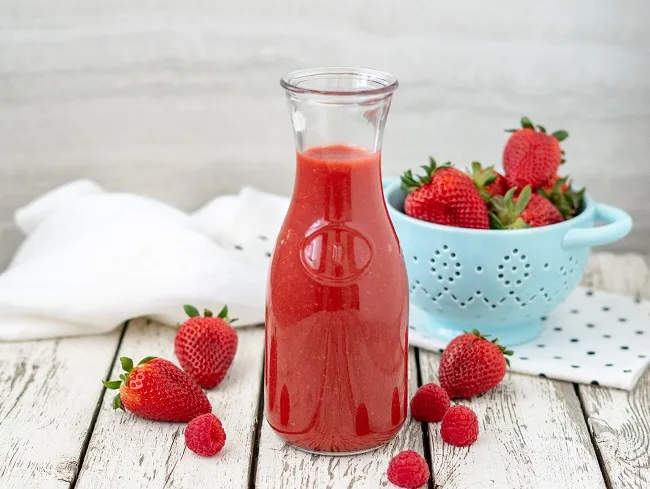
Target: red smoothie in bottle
x,y
337,309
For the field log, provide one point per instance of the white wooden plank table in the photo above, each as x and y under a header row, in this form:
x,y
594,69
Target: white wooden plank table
x,y
57,429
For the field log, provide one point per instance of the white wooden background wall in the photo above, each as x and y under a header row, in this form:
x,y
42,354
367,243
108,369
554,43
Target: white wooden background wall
x,y
179,99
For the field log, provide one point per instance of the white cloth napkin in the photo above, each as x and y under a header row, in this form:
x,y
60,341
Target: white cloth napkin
x,y
592,338
94,259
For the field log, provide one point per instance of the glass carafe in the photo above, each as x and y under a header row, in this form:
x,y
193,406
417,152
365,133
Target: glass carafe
x,y
337,296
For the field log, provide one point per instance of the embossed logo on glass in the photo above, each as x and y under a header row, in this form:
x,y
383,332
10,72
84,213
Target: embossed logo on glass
x,y
336,254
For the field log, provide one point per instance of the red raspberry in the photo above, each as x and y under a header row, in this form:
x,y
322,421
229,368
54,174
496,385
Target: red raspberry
x,y
459,426
204,435
408,469
430,403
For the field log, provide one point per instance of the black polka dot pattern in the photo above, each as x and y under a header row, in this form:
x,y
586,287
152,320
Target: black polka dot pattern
x,y
593,338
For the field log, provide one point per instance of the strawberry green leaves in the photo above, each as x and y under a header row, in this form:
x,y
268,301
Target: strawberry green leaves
x,y
191,311
560,135
411,183
127,366
223,314
483,176
487,181
568,201
506,210
526,123
117,403
495,341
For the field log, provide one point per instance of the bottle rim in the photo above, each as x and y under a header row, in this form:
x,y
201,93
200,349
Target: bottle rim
x,y
363,82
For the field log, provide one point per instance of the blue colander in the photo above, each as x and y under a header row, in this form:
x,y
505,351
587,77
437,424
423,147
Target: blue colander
x,y
499,282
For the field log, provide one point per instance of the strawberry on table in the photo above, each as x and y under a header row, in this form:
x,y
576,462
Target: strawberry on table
x,y
488,181
157,389
525,210
531,156
445,195
206,345
471,364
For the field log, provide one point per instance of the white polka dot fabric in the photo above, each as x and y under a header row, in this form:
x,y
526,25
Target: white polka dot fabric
x,y
592,338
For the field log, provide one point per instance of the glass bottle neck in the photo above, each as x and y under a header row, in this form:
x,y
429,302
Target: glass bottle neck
x,y
338,117
339,180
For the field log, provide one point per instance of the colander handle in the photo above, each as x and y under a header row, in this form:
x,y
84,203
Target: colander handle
x,y
619,223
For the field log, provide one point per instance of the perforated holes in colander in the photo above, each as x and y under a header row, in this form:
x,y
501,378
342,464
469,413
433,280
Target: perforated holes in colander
x,y
445,265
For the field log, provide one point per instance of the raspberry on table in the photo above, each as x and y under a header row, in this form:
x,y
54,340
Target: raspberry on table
x,y
204,435
408,469
430,403
459,426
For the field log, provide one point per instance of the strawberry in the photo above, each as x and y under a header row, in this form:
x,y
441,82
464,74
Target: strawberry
x,y
559,192
471,364
206,346
522,211
445,196
488,181
157,389
459,426
532,157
